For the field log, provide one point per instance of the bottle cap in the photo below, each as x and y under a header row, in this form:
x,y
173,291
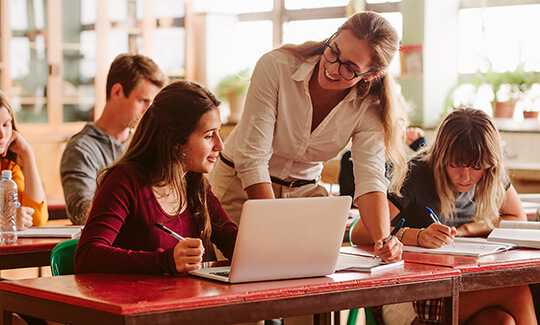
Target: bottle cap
x,y
6,173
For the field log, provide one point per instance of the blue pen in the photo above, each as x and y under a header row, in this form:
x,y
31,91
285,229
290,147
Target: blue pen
x,y
434,217
395,231
170,232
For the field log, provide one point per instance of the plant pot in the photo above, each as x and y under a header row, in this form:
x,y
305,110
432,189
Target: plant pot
x,y
504,109
530,114
236,105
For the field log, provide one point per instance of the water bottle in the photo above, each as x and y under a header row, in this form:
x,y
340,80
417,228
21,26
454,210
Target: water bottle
x,y
8,208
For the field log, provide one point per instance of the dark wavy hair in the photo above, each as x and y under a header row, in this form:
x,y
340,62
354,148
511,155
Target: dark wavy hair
x,y
156,151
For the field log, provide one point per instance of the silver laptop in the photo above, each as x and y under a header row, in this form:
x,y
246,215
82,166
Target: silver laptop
x,y
285,239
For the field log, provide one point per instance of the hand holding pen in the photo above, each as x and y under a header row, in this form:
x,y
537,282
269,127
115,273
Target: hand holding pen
x,y
392,234
188,253
436,229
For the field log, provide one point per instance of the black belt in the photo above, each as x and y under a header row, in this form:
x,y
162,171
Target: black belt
x,y
295,183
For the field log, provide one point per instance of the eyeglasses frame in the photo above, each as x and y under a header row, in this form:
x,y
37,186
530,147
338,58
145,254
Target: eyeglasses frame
x,y
341,63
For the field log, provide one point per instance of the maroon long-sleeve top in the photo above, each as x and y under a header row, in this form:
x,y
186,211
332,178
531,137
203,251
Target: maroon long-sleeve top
x,y
120,235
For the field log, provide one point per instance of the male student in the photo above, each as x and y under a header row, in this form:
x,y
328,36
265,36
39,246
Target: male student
x,y
132,83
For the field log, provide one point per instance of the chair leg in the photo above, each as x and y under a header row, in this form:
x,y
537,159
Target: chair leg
x,y
370,319
353,315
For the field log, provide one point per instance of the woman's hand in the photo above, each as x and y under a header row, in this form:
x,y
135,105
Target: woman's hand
x,y
389,252
188,255
436,235
17,144
24,218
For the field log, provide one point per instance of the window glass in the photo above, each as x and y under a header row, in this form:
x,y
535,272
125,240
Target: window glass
x,y
504,36
304,4
381,1
232,6
300,31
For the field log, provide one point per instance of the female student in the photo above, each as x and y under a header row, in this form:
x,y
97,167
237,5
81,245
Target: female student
x,y
160,179
17,156
304,104
462,179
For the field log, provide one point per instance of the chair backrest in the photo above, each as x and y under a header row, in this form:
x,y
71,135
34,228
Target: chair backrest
x,y
62,257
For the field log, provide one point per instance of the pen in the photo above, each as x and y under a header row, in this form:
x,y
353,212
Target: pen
x,y
434,217
395,231
170,232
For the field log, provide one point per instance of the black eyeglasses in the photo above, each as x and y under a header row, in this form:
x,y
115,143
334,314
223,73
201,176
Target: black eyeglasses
x,y
345,70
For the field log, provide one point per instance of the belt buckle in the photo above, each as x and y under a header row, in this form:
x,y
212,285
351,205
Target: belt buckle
x,y
291,185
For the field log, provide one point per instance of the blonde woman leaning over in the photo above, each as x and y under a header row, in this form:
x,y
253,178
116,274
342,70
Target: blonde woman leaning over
x,y
461,177
304,104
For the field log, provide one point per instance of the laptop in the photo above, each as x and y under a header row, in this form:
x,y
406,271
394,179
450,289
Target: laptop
x,y
285,239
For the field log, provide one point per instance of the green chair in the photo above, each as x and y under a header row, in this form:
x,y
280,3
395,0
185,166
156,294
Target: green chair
x,y
353,313
62,257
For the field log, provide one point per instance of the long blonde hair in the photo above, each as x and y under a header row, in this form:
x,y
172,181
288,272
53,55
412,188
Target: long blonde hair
x,y
384,43
469,137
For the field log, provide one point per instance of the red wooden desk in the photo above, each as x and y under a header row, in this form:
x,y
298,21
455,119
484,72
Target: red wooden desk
x,y
27,252
510,268
145,299
505,269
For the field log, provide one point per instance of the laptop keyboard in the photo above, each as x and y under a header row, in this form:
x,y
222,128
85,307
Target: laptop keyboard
x,y
222,273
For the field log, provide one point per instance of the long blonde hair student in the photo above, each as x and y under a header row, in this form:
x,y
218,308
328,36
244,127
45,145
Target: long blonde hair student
x,y
384,43
468,137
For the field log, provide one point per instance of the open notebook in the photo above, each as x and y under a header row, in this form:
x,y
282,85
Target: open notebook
x,y
469,246
51,231
520,233
285,239
355,259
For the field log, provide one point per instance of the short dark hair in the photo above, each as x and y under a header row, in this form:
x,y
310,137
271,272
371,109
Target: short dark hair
x,y
130,69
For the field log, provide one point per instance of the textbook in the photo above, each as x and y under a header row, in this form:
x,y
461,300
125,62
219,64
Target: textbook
x,y
352,259
467,246
520,233
51,231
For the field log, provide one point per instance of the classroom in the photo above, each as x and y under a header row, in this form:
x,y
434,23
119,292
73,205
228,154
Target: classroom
x,y
67,66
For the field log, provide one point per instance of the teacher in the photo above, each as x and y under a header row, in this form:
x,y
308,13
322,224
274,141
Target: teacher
x,y
304,104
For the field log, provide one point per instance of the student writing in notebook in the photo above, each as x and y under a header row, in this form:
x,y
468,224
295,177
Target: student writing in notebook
x,y
18,156
461,177
160,179
304,104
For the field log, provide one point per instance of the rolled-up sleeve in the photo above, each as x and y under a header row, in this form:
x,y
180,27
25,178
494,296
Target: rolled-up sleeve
x,y
255,132
368,155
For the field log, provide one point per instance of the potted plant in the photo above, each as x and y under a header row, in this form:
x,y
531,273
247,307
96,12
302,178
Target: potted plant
x,y
506,87
233,88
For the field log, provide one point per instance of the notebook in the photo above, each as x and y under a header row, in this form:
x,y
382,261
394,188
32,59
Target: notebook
x,y
353,259
285,239
519,233
468,246
51,231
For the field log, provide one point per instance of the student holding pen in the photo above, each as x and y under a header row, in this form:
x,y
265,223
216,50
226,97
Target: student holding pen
x,y
160,180
462,181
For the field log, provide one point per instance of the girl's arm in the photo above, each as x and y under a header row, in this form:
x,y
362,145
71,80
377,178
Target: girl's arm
x,y
32,182
512,209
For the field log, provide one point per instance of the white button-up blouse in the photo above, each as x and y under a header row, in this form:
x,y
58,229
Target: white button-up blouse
x,y
274,135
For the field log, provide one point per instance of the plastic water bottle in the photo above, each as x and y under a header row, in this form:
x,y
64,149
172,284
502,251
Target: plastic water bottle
x,y
8,208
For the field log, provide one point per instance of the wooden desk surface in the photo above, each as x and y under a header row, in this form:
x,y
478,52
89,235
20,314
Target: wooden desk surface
x,y
505,269
146,299
27,252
